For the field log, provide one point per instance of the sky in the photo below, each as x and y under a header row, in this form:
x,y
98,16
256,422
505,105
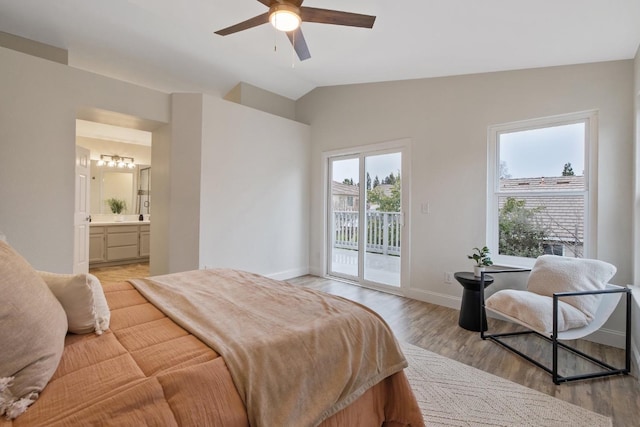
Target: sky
x,y
380,165
543,152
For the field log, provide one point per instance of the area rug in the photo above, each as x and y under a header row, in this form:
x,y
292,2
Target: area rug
x,y
451,393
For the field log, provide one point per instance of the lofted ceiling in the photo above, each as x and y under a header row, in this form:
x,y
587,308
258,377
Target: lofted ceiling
x,y
171,46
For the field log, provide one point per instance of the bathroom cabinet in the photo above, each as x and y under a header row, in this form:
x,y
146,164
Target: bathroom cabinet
x,y
96,245
113,244
145,240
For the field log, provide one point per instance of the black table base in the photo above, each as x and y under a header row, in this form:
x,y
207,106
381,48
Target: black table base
x,y
471,304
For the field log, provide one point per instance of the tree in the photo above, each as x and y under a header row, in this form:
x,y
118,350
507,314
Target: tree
x,y
348,181
386,203
368,181
376,181
391,179
568,170
520,232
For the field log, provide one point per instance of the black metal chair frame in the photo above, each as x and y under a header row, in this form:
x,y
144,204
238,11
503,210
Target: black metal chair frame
x,y
608,370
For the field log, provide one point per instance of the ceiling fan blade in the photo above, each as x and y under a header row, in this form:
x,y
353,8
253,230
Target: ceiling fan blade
x,y
245,25
299,44
336,17
265,2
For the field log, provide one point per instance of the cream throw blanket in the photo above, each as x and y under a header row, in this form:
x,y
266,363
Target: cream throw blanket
x,y
296,355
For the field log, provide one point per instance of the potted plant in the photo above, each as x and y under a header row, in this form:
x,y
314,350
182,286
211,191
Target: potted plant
x,y
481,258
117,207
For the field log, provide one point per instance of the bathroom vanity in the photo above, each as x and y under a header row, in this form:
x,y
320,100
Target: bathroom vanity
x,y
114,243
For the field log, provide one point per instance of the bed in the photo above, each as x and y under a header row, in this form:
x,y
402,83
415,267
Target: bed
x,y
153,367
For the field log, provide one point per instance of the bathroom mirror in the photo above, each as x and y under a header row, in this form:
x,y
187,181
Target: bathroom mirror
x,y
109,183
117,185
131,185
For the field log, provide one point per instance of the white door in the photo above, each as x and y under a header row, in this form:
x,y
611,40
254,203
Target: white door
x,y
81,215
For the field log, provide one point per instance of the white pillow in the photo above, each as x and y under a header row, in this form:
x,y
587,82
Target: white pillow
x,y
552,274
536,310
83,300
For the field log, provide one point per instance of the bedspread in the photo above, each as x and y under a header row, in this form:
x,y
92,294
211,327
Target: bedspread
x,y
148,371
291,367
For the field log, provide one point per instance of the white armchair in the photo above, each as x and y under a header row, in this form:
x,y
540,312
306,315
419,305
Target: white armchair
x,y
566,299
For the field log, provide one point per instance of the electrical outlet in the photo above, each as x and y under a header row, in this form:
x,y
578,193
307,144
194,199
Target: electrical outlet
x,y
448,277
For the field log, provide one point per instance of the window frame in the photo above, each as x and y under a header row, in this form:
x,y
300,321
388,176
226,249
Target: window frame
x,y
590,120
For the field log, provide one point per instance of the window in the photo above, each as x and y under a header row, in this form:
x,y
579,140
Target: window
x,y
539,192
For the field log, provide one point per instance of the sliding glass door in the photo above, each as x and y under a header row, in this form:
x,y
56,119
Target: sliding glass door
x,y
365,217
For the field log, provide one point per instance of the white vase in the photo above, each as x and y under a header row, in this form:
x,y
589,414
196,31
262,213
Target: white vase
x,y
477,269
119,218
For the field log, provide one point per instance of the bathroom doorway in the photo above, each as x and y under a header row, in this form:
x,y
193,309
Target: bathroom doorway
x,y
119,193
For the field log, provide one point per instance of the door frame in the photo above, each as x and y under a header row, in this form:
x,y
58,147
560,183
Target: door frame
x,y
328,214
400,145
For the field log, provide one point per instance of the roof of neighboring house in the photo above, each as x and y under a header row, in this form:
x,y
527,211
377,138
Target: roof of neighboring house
x,y
562,217
340,189
543,183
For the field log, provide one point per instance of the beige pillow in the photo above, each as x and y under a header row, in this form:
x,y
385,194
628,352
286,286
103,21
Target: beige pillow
x,y
33,326
536,310
83,300
552,274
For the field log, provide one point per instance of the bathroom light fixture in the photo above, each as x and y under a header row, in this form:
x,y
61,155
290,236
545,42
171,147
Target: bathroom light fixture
x,y
116,161
284,17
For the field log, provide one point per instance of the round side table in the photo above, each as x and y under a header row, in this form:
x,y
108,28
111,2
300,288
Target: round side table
x,y
471,304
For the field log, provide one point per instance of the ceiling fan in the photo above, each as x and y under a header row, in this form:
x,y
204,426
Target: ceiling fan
x,y
287,15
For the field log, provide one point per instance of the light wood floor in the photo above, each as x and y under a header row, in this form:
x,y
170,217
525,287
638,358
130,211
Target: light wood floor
x,y
435,328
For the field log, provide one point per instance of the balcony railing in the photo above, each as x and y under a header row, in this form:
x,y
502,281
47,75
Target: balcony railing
x,y
382,233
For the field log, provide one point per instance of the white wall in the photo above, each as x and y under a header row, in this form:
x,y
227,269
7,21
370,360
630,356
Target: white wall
x,y
255,191
40,103
447,119
260,99
34,48
238,198
160,179
184,208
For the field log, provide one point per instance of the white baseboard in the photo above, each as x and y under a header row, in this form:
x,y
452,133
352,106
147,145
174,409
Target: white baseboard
x,y
434,298
316,271
289,274
607,337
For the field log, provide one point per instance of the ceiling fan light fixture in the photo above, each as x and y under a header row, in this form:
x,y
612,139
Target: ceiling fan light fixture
x,y
284,17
